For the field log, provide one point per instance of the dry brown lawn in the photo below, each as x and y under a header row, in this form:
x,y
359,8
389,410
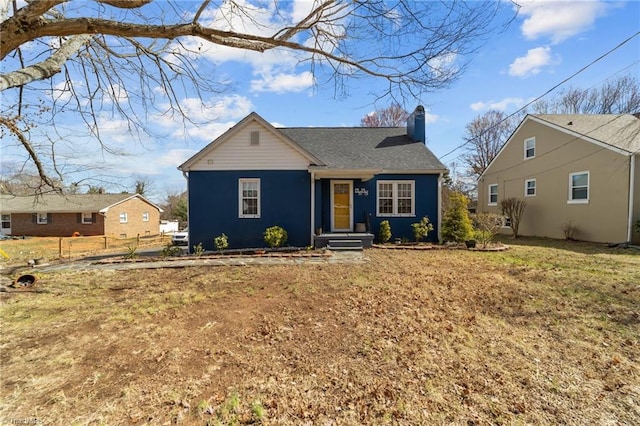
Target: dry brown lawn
x,y
544,333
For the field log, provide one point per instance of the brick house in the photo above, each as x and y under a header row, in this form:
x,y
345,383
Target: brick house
x,y
53,215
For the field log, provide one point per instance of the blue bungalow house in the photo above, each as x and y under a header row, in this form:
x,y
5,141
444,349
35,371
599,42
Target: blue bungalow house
x,y
317,183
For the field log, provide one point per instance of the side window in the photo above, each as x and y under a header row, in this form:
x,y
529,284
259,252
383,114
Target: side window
x,y
43,218
529,148
579,187
145,216
530,188
493,195
249,198
124,217
87,218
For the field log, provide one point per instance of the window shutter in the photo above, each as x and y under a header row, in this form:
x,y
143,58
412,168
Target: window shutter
x,y
78,217
34,217
49,218
94,217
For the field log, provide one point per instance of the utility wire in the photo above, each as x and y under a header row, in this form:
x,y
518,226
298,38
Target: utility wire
x,y
622,43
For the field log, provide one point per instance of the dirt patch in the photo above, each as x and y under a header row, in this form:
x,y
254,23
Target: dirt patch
x,y
410,337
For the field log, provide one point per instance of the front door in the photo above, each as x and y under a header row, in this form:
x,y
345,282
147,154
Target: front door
x,y
341,201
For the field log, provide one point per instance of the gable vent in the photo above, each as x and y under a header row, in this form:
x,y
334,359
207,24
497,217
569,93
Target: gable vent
x,y
255,138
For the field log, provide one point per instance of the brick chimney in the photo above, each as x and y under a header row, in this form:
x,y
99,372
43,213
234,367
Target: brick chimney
x,y
416,125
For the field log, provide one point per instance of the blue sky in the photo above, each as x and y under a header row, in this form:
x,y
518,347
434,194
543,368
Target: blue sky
x,y
548,42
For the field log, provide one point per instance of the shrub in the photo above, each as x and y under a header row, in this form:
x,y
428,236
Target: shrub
x,y
384,234
275,236
131,252
456,225
421,229
221,242
513,209
570,231
486,227
198,250
170,250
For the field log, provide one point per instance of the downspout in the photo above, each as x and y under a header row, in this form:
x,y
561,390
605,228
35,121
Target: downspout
x,y
632,175
440,207
313,207
186,176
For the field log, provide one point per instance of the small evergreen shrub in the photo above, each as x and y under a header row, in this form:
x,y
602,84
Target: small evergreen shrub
x,y
456,225
421,229
275,236
384,234
221,242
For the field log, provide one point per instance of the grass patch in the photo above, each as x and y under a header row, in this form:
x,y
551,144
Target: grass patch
x,y
544,333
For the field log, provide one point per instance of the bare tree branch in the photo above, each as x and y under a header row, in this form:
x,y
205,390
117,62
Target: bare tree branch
x,y
47,68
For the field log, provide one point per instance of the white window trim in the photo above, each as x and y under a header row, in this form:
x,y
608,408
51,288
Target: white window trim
x,y
248,216
526,188
145,216
533,139
570,200
489,203
40,219
395,198
84,221
124,217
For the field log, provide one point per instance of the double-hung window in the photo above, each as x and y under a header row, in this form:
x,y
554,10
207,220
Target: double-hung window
x,y
124,217
43,218
579,188
249,198
530,188
145,216
396,198
87,218
493,194
529,148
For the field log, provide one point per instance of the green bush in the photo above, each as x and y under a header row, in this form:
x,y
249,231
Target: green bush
x,y
221,242
456,225
198,250
275,236
421,229
384,234
170,250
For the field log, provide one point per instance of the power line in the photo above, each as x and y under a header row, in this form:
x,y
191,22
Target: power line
x,y
618,46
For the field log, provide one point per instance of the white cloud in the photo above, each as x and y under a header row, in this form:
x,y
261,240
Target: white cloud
x,y
501,105
210,118
444,65
531,63
559,19
431,118
283,83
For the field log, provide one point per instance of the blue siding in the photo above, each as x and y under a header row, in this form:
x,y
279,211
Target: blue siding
x,y
426,193
213,207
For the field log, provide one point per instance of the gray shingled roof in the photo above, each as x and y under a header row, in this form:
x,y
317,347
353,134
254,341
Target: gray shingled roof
x,y
54,203
384,148
618,130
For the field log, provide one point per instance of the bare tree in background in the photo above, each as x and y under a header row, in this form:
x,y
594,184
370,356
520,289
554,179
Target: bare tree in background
x,y
130,59
484,137
616,96
392,116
